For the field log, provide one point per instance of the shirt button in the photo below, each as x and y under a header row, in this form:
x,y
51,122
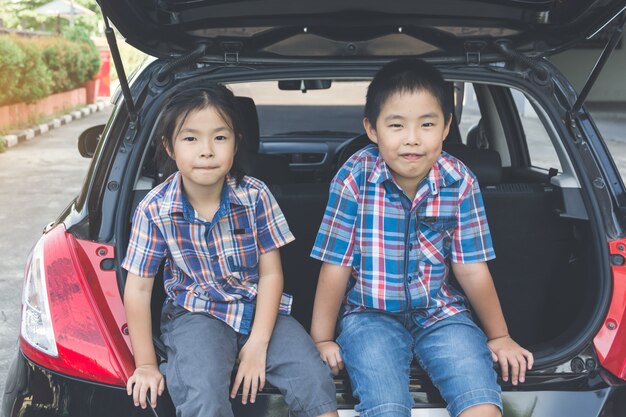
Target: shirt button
x,y
410,278
410,246
214,258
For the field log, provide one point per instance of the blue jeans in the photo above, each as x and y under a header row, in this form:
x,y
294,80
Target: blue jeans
x,y
378,349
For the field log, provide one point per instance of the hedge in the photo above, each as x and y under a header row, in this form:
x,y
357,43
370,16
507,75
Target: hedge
x,y
33,68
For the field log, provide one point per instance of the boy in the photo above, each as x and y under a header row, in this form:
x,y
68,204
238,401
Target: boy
x,y
400,213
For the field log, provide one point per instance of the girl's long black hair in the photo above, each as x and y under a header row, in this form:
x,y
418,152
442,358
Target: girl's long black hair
x,y
184,100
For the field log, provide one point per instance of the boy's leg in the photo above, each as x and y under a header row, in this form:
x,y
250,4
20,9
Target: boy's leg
x,y
201,354
294,367
454,352
376,350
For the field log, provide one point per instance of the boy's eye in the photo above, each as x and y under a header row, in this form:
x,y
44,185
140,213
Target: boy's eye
x,y
428,124
395,125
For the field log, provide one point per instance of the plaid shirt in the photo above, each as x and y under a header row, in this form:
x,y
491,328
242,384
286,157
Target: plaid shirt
x,y
399,250
210,267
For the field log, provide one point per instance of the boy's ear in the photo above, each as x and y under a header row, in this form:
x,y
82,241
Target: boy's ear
x,y
370,130
447,129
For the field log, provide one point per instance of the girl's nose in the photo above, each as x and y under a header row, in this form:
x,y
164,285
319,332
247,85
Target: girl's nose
x,y
207,149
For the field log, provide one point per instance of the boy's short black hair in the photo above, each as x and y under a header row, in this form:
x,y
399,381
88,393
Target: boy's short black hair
x,y
406,75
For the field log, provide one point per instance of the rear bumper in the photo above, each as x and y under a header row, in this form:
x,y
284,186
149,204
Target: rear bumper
x,y
34,391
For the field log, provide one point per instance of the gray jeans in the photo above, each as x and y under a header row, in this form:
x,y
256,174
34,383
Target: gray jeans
x,y
202,352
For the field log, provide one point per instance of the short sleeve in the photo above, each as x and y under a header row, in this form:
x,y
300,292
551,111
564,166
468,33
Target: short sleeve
x,y
336,236
271,225
146,247
472,239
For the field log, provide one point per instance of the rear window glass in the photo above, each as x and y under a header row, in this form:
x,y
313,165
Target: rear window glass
x,y
338,109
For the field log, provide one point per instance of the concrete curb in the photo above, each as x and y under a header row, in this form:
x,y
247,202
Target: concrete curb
x,y
17,137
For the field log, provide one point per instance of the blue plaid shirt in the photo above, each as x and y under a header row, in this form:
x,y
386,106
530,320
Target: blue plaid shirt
x,y
400,250
211,266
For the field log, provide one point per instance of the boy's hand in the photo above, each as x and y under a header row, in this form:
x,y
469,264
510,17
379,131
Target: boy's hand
x,y
507,352
145,377
331,355
251,370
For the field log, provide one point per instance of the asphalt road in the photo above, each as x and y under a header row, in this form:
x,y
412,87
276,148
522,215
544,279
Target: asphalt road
x,y
40,177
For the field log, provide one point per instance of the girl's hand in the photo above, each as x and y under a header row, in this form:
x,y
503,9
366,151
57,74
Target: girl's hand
x,y
145,377
506,351
331,355
251,370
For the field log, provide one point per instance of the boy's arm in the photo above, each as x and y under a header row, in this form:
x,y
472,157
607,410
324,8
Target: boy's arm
x,y
251,372
331,288
137,295
476,281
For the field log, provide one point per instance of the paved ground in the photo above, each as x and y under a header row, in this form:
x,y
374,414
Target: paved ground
x,y
38,178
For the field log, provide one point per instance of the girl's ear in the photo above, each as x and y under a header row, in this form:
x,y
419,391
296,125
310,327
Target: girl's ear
x,y
166,146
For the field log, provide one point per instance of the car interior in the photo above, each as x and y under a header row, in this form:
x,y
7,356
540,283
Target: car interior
x,y
544,267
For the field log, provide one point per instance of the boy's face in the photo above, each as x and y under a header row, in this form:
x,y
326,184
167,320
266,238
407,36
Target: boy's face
x,y
204,150
410,131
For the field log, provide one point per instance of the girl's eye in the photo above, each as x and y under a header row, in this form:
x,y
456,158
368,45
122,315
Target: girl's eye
x,y
220,138
189,139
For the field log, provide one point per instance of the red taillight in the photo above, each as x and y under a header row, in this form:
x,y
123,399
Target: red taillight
x,y
610,342
85,311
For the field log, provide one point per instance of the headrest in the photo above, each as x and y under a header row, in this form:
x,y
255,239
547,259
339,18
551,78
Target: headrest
x,y
485,164
477,137
250,120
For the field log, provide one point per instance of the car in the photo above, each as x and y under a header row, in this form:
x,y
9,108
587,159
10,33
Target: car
x,y
555,202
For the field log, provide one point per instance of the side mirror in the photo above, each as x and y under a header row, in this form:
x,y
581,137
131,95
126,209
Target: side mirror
x,y
88,141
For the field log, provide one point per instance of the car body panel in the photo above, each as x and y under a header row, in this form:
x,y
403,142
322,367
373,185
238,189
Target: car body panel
x,y
354,29
37,390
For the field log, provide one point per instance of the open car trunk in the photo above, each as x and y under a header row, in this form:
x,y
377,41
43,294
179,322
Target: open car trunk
x,y
548,269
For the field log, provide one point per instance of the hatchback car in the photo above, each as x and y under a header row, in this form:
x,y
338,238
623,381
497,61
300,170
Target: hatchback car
x,y
554,199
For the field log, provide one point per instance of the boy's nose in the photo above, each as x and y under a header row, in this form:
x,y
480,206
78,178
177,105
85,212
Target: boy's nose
x,y
413,137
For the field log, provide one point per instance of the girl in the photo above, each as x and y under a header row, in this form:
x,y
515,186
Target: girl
x,y
219,233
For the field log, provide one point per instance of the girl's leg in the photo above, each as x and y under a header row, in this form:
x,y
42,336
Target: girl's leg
x,y
294,367
376,350
454,352
201,354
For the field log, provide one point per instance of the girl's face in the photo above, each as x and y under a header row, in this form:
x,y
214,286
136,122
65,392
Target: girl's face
x,y
204,150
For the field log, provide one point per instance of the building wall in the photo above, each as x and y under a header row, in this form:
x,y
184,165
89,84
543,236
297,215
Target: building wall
x,y
577,64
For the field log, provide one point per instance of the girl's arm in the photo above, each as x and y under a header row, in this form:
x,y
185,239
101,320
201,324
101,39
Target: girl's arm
x,y
137,295
251,372
476,281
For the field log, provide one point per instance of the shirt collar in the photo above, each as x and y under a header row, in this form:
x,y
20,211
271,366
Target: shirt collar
x,y
443,173
175,201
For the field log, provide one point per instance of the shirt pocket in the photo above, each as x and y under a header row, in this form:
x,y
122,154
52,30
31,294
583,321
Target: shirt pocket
x,y
242,255
435,238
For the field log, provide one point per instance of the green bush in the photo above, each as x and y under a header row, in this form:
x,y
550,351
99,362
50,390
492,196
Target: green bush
x,y
32,68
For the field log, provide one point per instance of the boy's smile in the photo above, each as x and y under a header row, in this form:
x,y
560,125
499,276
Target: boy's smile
x,y
409,132
204,149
